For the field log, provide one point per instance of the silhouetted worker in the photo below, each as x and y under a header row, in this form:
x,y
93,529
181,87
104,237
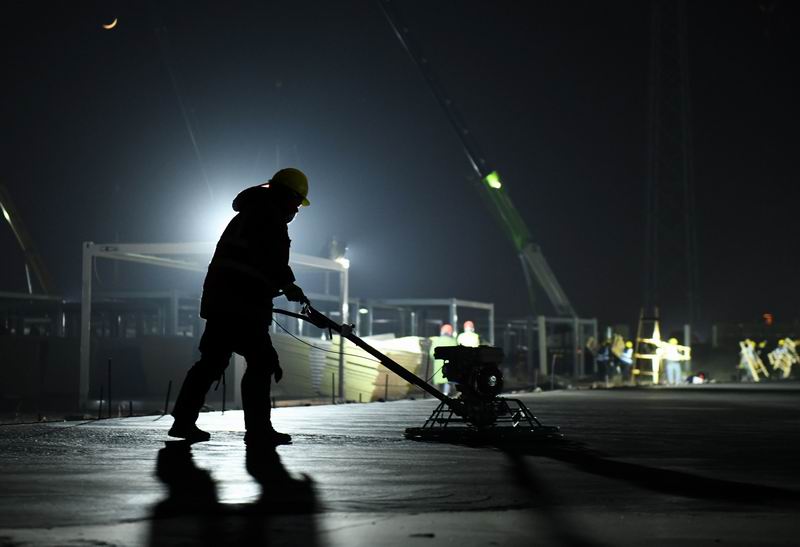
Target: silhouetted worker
x,y
469,337
446,339
250,267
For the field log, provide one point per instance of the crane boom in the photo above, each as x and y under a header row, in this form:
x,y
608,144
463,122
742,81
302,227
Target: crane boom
x,y
33,261
534,264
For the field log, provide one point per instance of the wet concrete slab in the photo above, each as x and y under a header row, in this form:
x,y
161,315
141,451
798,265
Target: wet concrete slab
x,y
691,466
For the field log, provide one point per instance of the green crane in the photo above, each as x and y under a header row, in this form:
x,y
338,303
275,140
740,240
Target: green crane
x,y
534,265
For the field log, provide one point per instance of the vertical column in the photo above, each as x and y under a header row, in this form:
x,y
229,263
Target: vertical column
x,y
454,316
86,324
529,345
491,325
595,330
577,363
344,295
541,324
172,325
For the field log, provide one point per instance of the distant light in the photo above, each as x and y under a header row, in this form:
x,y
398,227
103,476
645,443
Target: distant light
x,y
363,311
768,318
344,262
111,25
493,180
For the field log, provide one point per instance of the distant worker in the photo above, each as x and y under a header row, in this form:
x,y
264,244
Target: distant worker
x,y
626,358
444,339
603,360
672,361
784,356
250,267
469,337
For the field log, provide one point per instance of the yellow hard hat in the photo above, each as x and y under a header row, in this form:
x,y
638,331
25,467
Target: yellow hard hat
x,y
673,341
293,179
628,344
781,342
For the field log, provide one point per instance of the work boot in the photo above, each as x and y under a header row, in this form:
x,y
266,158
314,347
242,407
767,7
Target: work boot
x,y
190,432
266,438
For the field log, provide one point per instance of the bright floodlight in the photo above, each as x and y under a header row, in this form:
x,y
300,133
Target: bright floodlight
x,y
344,262
493,180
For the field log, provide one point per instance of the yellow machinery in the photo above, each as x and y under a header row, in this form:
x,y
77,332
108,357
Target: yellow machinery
x,y
784,356
750,360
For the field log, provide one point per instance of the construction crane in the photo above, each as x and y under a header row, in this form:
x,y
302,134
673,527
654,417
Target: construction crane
x,y
33,261
534,265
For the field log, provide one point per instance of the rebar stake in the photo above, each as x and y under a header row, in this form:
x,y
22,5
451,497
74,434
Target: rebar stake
x,y
166,403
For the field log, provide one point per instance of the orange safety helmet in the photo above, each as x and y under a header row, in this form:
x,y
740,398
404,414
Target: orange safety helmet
x,y
446,330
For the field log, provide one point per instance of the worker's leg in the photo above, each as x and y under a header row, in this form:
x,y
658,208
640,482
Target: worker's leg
x,y
262,360
215,350
673,373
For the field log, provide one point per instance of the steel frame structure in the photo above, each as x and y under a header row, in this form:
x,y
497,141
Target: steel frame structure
x,y
452,304
163,255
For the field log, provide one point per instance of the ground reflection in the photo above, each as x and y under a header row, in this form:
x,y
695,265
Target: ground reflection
x,y
192,515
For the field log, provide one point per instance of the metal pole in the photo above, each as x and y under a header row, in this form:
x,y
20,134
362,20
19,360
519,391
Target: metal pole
x,y
341,368
386,388
109,388
491,326
426,347
344,294
454,316
541,323
86,323
100,405
577,367
172,325
529,344
333,388
166,402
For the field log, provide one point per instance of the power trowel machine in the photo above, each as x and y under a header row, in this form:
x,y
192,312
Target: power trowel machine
x,y
478,414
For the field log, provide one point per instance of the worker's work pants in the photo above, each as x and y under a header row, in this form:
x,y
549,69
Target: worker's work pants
x,y
674,373
222,337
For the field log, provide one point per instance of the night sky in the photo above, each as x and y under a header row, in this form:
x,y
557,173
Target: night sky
x,y
96,145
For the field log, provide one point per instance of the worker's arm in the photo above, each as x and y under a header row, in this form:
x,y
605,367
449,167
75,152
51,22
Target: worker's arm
x,y
293,293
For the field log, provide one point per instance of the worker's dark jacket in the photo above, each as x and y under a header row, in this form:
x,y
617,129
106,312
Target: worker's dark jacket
x,y
251,261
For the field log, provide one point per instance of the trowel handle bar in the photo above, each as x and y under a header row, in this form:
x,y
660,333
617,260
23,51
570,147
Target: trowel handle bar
x,y
346,331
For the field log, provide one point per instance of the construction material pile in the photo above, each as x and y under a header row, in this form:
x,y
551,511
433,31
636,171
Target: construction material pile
x,y
314,371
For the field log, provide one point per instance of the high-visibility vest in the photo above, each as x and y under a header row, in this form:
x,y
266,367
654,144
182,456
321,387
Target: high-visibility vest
x,y
469,339
438,364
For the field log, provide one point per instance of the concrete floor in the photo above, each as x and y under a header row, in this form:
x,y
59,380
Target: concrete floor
x,y
693,466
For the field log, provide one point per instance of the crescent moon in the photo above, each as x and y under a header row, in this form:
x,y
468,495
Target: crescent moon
x,y
111,25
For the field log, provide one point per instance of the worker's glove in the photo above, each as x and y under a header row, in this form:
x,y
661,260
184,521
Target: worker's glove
x,y
278,372
293,293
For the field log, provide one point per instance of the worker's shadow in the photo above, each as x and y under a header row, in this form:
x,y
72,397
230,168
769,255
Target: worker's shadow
x,y
192,515
665,481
